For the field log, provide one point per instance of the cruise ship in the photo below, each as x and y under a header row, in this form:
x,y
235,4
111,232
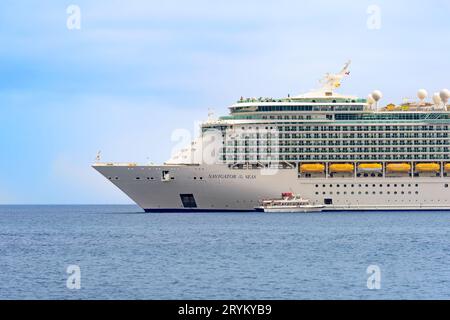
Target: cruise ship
x,y
340,151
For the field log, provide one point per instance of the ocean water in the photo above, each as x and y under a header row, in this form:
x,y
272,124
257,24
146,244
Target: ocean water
x,y
123,253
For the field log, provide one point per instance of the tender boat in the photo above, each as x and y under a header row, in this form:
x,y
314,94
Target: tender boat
x,y
289,203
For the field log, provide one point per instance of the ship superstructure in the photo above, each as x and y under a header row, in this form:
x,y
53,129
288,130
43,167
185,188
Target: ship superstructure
x,y
338,150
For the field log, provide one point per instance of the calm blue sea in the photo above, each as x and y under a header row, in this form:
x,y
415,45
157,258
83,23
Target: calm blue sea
x,y
126,254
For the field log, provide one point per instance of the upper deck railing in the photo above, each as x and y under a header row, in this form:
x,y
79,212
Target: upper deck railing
x,y
301,100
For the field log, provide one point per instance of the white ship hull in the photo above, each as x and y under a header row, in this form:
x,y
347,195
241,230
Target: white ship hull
x,y
219,188
293,209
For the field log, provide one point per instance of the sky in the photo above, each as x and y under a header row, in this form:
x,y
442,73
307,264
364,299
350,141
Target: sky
x,y
137,70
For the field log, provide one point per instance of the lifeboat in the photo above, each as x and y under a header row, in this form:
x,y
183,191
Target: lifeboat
x,y
341,167
447,167
428,167
312,168
370,167
398,167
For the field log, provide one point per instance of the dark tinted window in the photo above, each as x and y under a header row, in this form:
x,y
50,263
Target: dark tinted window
x,y
188,200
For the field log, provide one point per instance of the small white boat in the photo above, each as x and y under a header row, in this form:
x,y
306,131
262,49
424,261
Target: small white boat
x,y
289,203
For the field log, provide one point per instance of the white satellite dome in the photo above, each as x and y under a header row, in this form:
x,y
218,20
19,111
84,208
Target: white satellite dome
x,y
422,94
370,99
437,98
444,95
377,95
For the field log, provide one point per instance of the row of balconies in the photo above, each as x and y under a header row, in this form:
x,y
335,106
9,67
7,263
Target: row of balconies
x,y
337,158
256,136
363,129
329,144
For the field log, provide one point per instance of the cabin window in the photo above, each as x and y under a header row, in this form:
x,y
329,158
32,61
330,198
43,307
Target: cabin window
x,y
328,201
